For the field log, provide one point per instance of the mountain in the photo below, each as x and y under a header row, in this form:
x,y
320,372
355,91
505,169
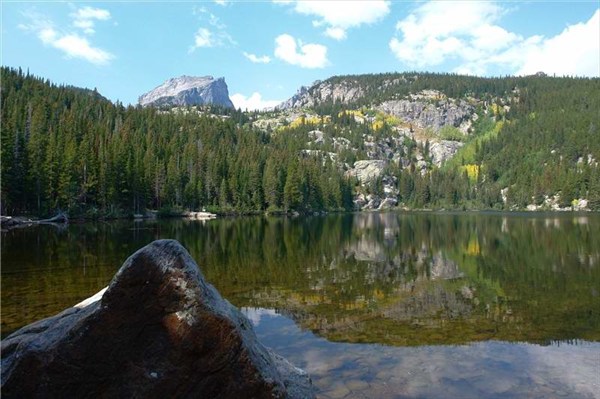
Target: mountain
x,y
409,140
445,140
373,89
351,89
64,149
189,90
344,92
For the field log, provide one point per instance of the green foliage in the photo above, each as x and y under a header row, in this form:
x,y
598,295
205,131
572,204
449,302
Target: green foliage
x,y
484,129
388,86
554,152
71,149
539,136
451,133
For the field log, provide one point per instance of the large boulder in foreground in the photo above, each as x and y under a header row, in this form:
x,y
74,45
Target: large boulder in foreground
x,y
159,330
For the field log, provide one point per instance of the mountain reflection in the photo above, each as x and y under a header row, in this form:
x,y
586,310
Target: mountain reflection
x,y
392,278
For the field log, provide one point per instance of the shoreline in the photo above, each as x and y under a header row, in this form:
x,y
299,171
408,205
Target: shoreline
x,y
21,221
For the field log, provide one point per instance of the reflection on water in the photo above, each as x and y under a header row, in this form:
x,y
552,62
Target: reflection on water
x,y
369,297
490,369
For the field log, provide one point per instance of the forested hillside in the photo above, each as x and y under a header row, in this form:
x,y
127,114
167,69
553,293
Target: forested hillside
x,y
70,149
350,142
508,143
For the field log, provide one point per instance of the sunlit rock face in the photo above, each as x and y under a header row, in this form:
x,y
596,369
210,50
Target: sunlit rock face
x,y
443,150
368,170
159,330
188,90
421,110
342,92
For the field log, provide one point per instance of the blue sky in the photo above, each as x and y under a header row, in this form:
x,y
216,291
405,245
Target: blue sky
x,y
267,50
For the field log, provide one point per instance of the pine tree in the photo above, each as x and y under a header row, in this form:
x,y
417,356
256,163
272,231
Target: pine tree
x,y
223,195
292,192
272,184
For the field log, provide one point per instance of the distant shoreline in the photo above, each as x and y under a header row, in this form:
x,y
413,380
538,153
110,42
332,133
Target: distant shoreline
x,y
29,220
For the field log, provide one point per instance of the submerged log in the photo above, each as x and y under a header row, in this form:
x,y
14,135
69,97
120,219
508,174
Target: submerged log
x,y
59,218
159,330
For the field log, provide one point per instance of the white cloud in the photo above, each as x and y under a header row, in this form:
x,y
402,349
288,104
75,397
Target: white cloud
x,y
91,13
84,18
467,35
575,51
74,46
256,314
71,44
439,30
335,33
304,55
210,38
217,36
79,47
345,14
254,102
222,2
265,59
203,38
341,15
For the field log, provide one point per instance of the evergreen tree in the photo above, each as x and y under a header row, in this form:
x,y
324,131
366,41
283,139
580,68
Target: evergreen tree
x,y
292,192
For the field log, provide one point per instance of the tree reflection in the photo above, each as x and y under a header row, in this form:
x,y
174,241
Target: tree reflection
x,y
394,278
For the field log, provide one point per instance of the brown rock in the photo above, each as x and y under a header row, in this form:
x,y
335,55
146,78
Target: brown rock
x,y
158,331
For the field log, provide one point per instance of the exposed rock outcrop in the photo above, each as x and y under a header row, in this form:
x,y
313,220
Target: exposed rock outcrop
x,y
188,90
317,136
343,92
443,150
373,202
424,128
367,170
427,114
159,330
425,109
388,203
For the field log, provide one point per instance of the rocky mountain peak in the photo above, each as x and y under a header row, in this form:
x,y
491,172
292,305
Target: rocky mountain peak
x,y
188,90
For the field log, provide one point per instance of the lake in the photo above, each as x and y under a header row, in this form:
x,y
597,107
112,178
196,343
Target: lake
x,y
377,305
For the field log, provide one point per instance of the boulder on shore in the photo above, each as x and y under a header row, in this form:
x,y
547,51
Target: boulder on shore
x,y
158,330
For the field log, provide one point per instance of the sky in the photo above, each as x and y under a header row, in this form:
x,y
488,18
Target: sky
x,y
266,50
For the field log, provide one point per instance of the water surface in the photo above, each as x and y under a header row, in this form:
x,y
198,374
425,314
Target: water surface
x,y
372,305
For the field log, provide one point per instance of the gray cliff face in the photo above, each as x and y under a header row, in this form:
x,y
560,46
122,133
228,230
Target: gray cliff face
x,y
443,150
188,90
301,97
343,92
446,112
427,109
